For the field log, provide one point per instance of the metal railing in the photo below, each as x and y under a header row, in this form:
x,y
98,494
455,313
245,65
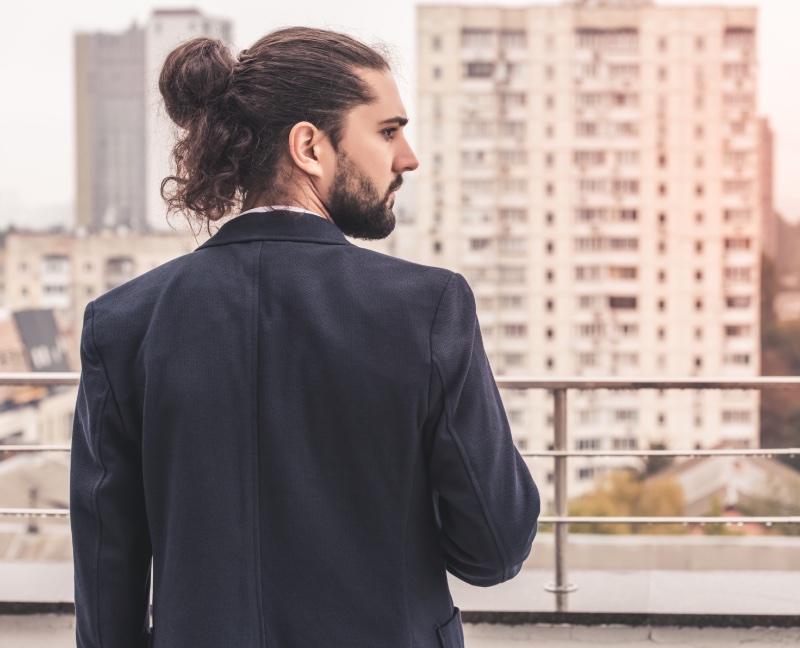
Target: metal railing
x,y
560,454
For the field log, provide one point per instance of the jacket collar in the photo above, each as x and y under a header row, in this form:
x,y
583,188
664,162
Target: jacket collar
x,y
277,225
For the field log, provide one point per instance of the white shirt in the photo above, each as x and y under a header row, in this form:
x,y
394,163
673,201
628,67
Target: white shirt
x,y
270,208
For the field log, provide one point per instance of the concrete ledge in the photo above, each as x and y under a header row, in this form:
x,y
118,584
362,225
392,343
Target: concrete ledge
x,y
493,617
35,607
632,619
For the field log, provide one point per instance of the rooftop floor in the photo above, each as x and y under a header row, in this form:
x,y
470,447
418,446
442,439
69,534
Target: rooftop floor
x,y
57,631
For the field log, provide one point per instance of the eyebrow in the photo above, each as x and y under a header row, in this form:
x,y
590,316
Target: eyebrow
x,y
400,121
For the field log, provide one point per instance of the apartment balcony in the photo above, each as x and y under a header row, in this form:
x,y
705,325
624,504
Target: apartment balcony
x,y
574,590
739,316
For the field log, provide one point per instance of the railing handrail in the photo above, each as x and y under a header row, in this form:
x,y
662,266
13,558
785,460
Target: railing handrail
x,y
506,382
651,382
39,379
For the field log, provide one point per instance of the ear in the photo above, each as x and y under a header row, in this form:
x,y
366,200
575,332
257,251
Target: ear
x,y
309,149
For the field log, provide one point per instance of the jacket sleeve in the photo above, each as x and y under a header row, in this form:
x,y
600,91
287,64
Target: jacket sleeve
x,y
110,537
487,502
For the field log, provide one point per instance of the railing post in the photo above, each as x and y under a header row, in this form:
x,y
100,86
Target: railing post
x,y
561,588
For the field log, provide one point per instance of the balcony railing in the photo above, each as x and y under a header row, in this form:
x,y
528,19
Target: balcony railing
x,y
559,387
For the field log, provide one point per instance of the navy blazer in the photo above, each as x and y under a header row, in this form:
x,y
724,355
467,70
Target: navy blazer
x,y
302,435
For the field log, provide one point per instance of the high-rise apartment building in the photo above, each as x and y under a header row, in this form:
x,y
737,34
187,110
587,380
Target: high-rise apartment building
x,y
592,169
110,128
124,138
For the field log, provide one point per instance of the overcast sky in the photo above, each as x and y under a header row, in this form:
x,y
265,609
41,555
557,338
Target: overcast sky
x,y
37,168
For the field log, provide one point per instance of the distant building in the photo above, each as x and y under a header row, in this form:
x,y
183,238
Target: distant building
x,y
30,341
759,485
592,169
123,136
110,128
64,272
770,225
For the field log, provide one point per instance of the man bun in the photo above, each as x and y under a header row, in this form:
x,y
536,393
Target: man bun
x,y
195,77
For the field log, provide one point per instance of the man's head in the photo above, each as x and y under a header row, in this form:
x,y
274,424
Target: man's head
x,y
305,116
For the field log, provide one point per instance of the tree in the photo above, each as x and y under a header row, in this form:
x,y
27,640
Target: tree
x,y
622,493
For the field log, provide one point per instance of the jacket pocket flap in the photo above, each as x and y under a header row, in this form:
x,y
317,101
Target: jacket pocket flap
x,y
451,634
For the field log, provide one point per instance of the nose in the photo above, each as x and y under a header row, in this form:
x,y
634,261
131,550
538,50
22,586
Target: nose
x,y
405,160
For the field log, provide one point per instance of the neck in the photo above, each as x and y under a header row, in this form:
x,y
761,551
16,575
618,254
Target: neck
x,y
306,198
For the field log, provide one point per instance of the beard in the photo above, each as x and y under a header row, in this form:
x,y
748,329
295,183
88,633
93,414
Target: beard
x,y
356,206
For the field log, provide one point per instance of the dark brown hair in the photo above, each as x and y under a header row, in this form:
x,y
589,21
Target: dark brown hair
x,y
235,115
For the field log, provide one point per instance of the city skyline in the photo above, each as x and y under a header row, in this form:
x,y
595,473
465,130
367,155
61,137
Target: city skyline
x,y
32,184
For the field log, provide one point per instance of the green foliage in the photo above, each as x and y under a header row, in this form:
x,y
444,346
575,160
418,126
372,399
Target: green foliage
x,y
622,493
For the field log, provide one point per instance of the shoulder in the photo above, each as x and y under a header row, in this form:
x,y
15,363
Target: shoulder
x,y
401,273
135,295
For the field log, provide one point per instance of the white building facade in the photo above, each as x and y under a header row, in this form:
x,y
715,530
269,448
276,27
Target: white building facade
x,y
592,170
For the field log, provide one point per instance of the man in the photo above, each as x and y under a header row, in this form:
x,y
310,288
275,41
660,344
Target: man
x,y
303,435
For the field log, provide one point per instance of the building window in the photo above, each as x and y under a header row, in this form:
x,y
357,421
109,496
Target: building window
x,y
513,359
626,416
738,301
479,243
622,303
436,43
698,275
742,275
738,330
479,70
511,301
512,275
741,359
733,416
477,37
437,72
513,38
549,305
515,330
698,304
737,244
662,305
